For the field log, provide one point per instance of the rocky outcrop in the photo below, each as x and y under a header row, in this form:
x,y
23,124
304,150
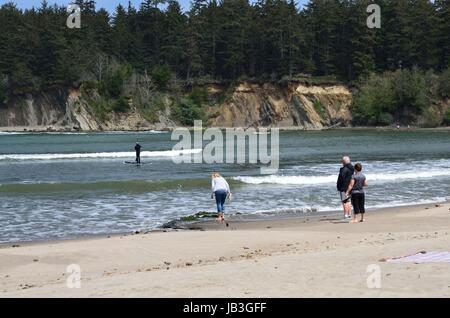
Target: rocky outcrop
x,y
295,105
60,109
55,109
292,105
36,110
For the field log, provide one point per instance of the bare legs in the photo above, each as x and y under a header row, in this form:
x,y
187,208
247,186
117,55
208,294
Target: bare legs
x,y
347,209
222,220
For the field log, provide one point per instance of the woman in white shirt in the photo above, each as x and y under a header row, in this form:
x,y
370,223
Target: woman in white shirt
x,y
221,190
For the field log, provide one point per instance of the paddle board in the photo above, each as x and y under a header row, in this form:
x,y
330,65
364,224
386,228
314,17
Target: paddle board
x,y
134,163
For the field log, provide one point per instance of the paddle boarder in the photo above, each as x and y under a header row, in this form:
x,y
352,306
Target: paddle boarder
x,y
138,152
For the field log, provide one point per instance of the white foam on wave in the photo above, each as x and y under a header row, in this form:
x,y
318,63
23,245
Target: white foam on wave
x,y
408,203
158,132
110,155
324,208
374,166
151,132
287,180
410,175
311,180
62,133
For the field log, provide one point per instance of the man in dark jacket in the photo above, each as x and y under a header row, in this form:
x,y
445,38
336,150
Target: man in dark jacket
x,y
344,179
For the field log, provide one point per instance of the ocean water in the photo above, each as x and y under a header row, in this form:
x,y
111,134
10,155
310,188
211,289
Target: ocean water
x,y
66,185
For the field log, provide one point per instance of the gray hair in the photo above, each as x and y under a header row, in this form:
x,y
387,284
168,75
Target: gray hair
x,y
346,160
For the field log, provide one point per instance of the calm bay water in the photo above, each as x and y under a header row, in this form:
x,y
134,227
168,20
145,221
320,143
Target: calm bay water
x,y
67,185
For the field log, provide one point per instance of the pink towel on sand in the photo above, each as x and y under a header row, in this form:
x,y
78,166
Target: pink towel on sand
x,y
422,258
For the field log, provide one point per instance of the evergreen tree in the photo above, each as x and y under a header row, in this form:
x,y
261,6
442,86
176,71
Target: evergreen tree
x,y
443,27
356,54
172,50
16,53
323,20
233,34
221,39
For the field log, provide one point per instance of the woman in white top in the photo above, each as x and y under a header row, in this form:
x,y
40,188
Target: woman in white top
x,y
221,190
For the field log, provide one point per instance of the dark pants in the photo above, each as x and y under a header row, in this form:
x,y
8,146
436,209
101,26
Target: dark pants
x,y
138,157
221,197
358,202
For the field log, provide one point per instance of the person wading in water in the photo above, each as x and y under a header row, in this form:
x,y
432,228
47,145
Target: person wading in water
x,y
220,190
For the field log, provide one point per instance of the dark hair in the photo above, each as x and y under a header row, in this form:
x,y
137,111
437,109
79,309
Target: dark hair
x,y
358,167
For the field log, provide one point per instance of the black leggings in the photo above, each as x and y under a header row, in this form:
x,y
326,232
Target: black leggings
x,y
358,202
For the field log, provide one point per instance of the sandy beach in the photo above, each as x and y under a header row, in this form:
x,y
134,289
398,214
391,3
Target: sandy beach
x,y
286,258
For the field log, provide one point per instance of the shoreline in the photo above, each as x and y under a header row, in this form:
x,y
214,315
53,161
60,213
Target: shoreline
x,y
56,130
210,224
297,258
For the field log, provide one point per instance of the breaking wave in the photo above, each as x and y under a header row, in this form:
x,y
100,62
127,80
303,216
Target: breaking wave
x,y
311,180
105,155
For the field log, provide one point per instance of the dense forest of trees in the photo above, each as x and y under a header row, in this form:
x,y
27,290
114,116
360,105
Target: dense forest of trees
x,y
219,39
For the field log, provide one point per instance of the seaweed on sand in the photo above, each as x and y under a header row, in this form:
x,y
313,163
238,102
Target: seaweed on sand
x,y
183,222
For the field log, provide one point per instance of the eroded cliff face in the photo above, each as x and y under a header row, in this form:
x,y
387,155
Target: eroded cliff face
x,y
56,109
62,109
294,105
45,108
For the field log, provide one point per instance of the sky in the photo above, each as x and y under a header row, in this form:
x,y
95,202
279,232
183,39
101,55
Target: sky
x,y
110,5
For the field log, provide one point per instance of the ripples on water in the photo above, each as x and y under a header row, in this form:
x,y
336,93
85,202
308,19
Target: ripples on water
x,y
67,185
